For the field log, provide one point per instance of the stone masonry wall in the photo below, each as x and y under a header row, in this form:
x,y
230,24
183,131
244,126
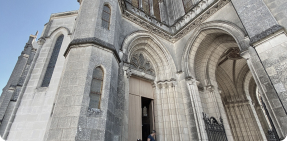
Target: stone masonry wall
x,y
273,56
279,10
72,119
32,117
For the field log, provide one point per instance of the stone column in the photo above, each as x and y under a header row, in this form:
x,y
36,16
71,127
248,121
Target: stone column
x,y
233,123
267,38
266,87
197,108
141,4
251,109
158,110
215,108
162,10
151,8
171,121
127,75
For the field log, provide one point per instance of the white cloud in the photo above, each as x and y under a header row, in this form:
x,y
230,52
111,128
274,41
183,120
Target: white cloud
x,y
1,139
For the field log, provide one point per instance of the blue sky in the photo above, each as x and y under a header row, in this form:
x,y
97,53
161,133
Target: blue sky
x,y
19,19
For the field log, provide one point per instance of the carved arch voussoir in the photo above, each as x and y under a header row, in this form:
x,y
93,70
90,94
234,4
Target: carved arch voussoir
x,y
59,28
226,27
158,54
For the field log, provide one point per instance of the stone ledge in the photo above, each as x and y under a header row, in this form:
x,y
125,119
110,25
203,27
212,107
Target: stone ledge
x,y
95,41
265,34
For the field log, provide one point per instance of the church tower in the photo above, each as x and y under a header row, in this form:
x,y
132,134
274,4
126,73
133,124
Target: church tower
x,y
115,70
85,107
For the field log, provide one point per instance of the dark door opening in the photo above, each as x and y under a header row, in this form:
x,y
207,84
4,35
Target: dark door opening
x,y
147,117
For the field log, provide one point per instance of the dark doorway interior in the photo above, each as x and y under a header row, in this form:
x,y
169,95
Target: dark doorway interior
x,y
147,117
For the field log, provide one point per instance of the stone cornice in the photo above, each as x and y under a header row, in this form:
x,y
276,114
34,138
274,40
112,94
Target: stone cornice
x,y
265,34
95,41
175,32
69,13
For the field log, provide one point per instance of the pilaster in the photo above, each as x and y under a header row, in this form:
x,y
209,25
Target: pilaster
x,y
192,86
265,74
12,93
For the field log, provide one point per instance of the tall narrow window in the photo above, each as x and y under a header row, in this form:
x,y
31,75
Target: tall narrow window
x,y
146,6
187,5
96,88
52,62
156,9
106,17
135,3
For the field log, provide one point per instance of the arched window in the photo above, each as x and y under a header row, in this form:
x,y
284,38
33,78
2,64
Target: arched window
x,y
96,88
106,17
52,62
187,5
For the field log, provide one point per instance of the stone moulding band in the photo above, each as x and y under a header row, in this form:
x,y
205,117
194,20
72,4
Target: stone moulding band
x,y
180,32
95,41
265,34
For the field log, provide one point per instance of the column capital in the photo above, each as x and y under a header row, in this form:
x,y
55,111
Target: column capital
x,y
245,54
128,71
167,83
210,88
192,81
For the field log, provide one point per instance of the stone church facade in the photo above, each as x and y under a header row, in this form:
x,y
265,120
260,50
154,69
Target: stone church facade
x,y
115,70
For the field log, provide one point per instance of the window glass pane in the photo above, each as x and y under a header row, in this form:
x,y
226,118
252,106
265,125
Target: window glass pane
x,y
105,24
52,62
96,86
146,6
94,100
135,3
106,16
98,73
107,9
156,9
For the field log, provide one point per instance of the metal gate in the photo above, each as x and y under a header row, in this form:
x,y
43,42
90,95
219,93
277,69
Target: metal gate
x,y
215,130
272,133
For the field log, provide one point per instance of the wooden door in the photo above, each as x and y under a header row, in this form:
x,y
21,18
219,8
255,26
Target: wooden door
x,y
138,88
135,118
151,115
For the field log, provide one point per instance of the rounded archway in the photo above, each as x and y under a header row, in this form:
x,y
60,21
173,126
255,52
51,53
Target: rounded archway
x,y
170,111
213,58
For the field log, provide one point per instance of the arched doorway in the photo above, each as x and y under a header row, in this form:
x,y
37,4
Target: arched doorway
x,y
141,97
223,79
232,80
171,115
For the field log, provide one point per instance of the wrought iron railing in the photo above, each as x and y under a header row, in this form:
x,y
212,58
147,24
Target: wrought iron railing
x,y
272,133
271,136
215,130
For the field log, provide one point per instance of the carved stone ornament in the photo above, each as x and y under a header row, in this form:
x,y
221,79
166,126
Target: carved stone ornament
x,y
184,25
140,63
93,111
234,54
